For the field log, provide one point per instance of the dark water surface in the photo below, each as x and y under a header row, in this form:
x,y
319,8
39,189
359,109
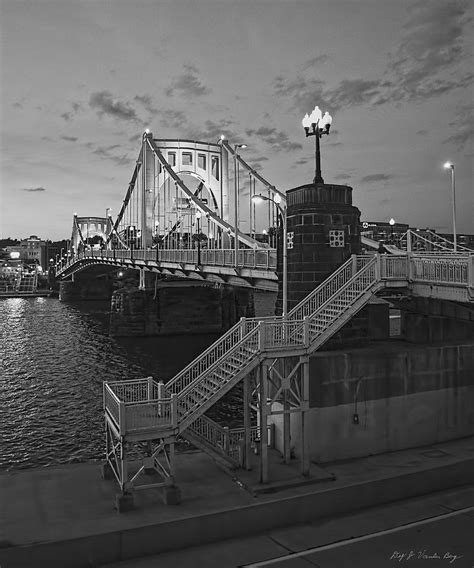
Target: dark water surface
x,y
53,359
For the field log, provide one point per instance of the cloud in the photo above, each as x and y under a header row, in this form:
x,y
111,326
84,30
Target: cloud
x,y
211,131
423,66
432,43
302,91
462,129
172,118
278,140
302,161
376,177
69,115
147,103
17,105
104,103
342,176
354,92
187,84
106,152
69,138
315,61
422,132
33,189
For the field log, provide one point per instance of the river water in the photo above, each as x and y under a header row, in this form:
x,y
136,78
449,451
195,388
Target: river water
x,y
54,358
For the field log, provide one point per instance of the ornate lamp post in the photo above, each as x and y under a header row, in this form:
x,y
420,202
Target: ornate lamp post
x,y
236,201
450,166
282,210
316,125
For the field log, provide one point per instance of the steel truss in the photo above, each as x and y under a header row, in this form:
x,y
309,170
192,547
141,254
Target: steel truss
x,y
279,387
154,458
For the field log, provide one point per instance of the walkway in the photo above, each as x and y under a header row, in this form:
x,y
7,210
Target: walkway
x,y
64,516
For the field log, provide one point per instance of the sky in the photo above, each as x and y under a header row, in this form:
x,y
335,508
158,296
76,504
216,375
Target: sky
x,y
82,79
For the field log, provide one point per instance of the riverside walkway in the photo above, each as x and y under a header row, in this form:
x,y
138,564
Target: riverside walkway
x,y
64,516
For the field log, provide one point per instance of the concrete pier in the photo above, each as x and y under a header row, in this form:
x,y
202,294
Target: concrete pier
x,y
178,307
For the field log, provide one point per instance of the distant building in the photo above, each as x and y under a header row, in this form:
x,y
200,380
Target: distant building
x,y
32,247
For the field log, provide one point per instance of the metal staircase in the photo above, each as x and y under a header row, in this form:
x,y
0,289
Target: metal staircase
x,y
178,408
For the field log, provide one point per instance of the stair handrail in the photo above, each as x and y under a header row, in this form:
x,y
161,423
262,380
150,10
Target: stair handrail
x,y
240,330
176,383
280,326
254,334
353,280
299,311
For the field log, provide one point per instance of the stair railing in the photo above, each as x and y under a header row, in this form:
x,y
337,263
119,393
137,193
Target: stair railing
x,y
204,361
323,292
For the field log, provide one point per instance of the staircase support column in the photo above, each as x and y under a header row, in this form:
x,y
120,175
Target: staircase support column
x,y
263,371
247,421
305,431
286,421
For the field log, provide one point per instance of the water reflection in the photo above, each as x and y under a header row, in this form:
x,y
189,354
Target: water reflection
x,y
54,358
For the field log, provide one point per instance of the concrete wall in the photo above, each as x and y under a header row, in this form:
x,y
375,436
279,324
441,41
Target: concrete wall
x,y
403,397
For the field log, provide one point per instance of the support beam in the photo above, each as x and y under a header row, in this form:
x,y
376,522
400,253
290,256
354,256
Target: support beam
x,y
263,370
286,417
305,430
247,421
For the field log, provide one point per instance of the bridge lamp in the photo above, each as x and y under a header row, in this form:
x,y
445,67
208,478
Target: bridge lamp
x,y
316,125
236,201
276,200
450,166
391,223
198,221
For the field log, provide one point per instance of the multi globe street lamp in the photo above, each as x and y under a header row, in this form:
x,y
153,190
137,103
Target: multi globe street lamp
x,y
450,166
316,125
276,200
236,201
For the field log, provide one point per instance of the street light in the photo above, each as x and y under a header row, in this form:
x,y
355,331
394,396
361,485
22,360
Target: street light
x,y
276,200
319,125
236,201
450,166
391,223
198,221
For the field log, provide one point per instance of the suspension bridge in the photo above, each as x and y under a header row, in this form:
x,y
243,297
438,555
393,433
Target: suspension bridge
x,y
181,217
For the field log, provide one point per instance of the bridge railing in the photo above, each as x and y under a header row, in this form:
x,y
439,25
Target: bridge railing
x,y
254,259
441,269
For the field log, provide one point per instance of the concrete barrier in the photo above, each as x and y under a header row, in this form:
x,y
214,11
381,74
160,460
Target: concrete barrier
x,y
99,549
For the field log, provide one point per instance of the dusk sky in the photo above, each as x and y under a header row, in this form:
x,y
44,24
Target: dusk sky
x,y
81,80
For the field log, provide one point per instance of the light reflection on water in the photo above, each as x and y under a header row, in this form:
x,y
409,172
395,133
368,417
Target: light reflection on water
x,y
53,360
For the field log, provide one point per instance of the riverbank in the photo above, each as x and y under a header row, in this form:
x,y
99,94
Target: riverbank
x,y
36,294
65,516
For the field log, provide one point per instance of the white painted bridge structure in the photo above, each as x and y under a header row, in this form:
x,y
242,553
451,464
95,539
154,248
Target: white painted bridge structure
x,y
181,217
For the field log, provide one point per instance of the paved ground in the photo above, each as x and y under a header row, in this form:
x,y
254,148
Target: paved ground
x,y
43,507
430,532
